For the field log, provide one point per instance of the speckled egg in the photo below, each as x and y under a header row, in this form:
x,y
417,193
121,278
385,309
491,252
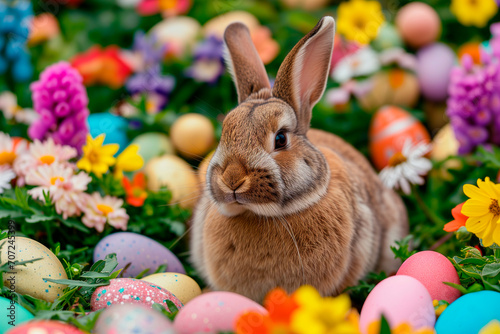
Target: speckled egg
x,y
183,287
140,251
418,23
434,65
193,135
132,319
45,327
29,279
214,312
432,269
390,128
175,174
113,126
469,313
388,37
131,291
400,299
12,313
153,144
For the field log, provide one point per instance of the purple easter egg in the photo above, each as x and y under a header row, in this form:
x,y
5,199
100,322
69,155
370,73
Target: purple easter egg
x,y
434,64
141,252
131,291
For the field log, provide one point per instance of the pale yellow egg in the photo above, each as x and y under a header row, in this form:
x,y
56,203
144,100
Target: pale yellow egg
x,y
175,174
30,279
217,25
193,135
183,287
444,144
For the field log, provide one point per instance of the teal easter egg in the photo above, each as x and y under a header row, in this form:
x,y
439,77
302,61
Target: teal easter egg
x,y
153,144
388,37
12,314
113,126
469,313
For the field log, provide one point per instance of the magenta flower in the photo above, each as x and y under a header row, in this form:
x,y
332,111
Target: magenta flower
x,y
60,99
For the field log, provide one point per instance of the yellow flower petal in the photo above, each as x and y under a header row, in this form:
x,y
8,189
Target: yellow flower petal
x,y
474,208
488,187
98,140
129,160
478,224
474,192
109,149
84,164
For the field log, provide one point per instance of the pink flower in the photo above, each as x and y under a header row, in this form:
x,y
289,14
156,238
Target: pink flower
x,y
100,210
43,153
66,190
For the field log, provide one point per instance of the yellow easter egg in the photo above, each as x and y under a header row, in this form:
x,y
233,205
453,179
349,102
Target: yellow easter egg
x,y
175,174
193,135
217,25
183,287
203,167
444,144
30,279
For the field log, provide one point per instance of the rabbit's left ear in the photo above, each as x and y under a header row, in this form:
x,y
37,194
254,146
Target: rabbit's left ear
x,y
301,79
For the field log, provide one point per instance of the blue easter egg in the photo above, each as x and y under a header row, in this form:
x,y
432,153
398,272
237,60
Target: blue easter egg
x,y
12,312
469,313
113,126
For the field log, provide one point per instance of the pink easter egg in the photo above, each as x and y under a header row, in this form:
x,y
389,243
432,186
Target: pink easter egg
x,y
131,291
45,327
418,23
432,269
400,299
214,312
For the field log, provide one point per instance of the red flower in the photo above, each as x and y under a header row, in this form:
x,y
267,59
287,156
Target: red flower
x,y
136,193
102,66
459,221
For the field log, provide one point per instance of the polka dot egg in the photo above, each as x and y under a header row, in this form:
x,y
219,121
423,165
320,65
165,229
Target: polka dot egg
x,y
131,291
30,279
139,251
182,286
45,327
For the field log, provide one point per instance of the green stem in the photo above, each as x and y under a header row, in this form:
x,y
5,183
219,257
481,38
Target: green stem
x,y
426,210
496,253
49,233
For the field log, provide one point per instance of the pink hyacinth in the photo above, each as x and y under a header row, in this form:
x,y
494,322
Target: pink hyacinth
x,y
60,98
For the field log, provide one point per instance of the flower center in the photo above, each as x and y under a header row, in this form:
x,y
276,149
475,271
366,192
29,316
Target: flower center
x,y
7,157
494,207
397,159
47,159
54,179
360,23
93,157
473,3
105,209
396,78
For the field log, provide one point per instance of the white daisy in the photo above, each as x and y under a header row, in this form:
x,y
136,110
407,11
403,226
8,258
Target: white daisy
x,y
10,109
363,62
6,175
407,167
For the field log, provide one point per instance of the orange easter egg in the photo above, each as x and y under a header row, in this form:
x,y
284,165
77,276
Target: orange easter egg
x,y
390,128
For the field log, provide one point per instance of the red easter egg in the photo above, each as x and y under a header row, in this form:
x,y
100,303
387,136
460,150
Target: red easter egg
x,y
432,269
45,327
391,127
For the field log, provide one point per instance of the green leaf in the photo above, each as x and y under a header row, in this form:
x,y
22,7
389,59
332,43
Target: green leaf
x,y
491,270
73,283
39,218
458,287
384,326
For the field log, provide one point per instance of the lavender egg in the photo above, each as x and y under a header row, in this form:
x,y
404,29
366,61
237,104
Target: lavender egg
x,y
141,252
434,65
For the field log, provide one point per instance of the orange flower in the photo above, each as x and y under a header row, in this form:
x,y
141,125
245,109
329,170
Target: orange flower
x,y
473,50
102,66
136,193
267,48
459,221
280,306
43,28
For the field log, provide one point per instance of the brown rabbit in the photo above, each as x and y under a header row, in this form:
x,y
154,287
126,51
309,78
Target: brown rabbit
x,y
284,205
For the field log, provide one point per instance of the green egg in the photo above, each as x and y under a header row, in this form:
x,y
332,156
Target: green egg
x,y
152,145
388,37
12,314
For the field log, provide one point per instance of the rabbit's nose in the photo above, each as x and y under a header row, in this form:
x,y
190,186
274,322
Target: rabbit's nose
x,y
234,176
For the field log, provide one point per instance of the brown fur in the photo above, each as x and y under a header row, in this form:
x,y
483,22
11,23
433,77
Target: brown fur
x,y
313,212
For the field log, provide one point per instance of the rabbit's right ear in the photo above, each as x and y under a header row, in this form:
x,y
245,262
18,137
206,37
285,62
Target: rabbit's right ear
x,y
243,61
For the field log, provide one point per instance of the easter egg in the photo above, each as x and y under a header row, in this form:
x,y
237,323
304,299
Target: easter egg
x,y
434,65
390,128
418,24
214,312
432,269
203,167
179,33
183,287
175,174
305,4
113,126
388,37
131,291
469,313
217,25
444,144
137,250
400,299
45,327
394,87
153,144
30,279
12,314
132,319
192,135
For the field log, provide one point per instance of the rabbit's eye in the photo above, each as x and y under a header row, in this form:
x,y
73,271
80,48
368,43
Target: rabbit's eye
x,y
280,141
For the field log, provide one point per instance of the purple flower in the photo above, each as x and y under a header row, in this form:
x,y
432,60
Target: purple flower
x,y
61,100
209,61
151,51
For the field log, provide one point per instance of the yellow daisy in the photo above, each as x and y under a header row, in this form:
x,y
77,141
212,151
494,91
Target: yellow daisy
x,y
474,12
128,161
360,20
97,158
483,211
